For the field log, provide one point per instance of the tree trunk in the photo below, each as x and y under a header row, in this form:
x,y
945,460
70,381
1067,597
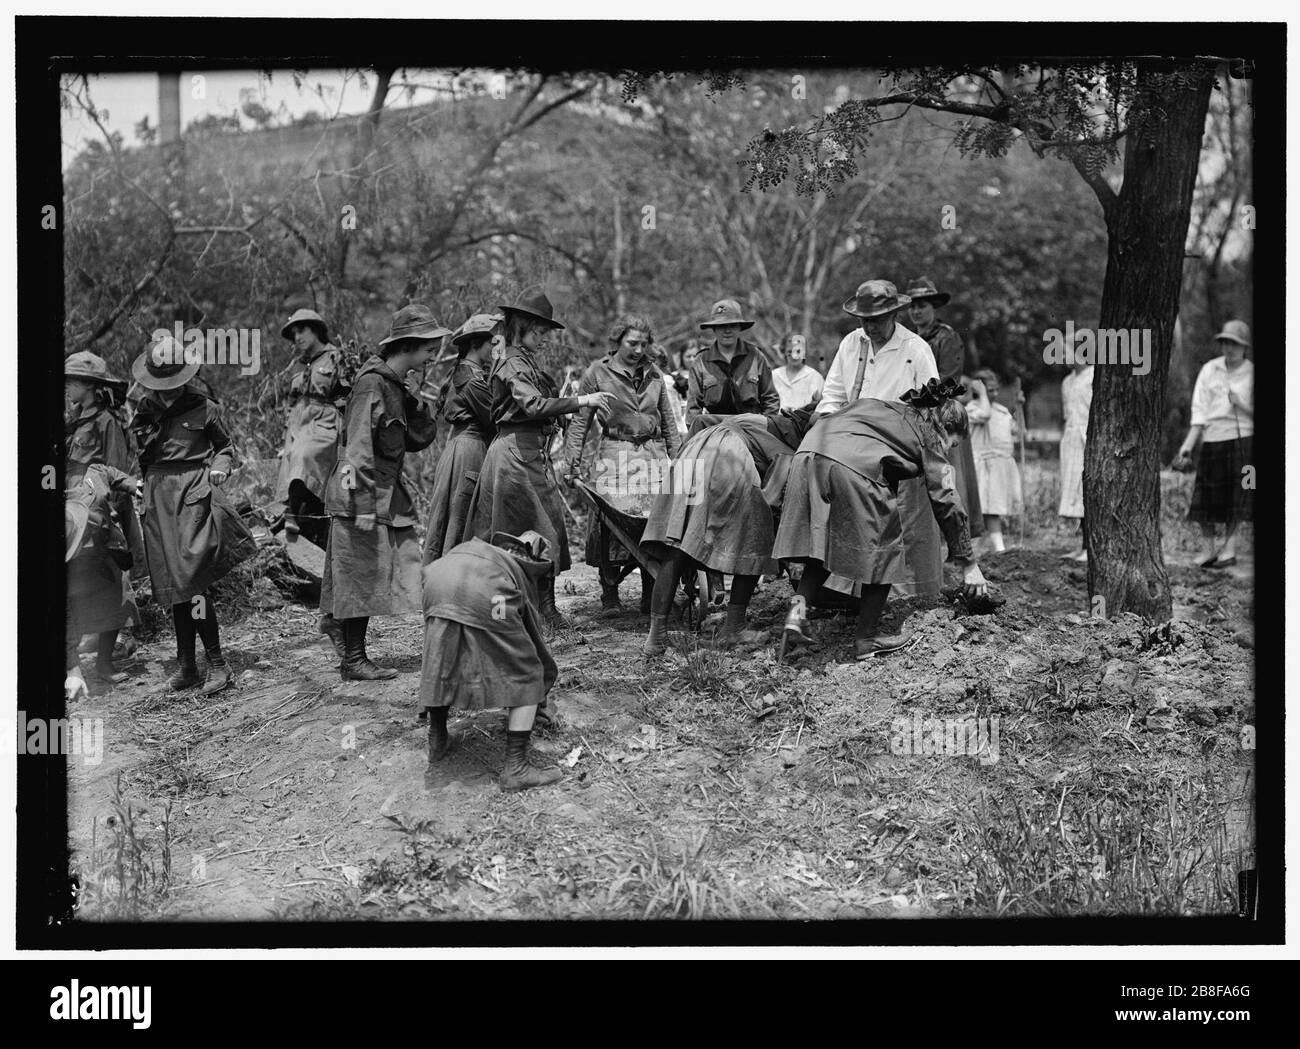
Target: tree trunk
x,y
1147,226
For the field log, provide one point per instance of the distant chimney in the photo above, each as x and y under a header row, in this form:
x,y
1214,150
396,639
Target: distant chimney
x,y
169,108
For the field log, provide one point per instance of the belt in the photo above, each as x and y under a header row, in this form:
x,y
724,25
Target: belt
x,y
630,438
544,426
176,466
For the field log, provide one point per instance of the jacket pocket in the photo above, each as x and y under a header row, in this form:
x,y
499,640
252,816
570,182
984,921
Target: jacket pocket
x,y
198,492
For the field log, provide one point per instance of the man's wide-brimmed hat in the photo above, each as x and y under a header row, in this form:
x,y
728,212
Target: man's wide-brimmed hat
x,y
478,324
536,306
726,311
90,367
306,317
166,365
415,321
923,288
1236,331
875,298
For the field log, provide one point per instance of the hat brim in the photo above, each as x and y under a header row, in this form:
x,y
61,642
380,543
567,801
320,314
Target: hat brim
x,y
1227,336
321,330
743,324
101,380
141,374
437,331
939,298
851,306
535,316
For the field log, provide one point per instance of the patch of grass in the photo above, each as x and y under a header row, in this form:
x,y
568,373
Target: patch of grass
x,y
661,882
1122,853
128,876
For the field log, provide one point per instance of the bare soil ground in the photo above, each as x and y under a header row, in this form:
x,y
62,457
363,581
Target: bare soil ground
x,y
707,785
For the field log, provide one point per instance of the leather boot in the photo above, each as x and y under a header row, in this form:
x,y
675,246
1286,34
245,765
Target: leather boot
x,y
733,630
795,633
546,603
647,591
609,600
440,740
218,675
330,627
656,642
356,664
517,773
186,676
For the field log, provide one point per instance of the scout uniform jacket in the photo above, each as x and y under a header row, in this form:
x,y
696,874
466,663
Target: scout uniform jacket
x,y
642,411
742,387
383,421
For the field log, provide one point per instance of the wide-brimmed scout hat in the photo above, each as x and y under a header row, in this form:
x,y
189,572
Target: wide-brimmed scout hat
x,y
536,306
76,515
478,324
875,298
165,365
726,311
923,288
1236,331
90,367
415,321
535,563
306,317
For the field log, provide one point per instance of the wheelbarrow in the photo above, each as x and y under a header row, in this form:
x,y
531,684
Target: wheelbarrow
x,y
628,530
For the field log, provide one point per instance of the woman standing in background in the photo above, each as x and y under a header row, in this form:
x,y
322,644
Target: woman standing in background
x,y
94,433
1076,404
466,404
992,438
1223,424
192,535
372,560
634,440
517,491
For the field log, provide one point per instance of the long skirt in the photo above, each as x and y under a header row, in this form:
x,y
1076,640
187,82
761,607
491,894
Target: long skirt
x,y
967,483
470,668
192,535
453,490
1073,445
999,479
849,523
517,491
375,573
1219,495
99,597
628,477
310,447
713,509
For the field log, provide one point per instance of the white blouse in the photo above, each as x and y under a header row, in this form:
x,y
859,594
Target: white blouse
x,y
1211,407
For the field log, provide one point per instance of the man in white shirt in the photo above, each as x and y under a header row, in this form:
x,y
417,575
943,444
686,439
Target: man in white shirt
x,y
798,385
881,358
884,360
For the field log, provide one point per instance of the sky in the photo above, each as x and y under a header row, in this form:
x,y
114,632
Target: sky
x,y
130,96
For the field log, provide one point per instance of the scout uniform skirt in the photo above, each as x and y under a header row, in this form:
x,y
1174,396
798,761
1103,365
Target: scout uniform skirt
x,y
471,668
517,491
453,490
310,447
713,509
99,597
375,573
192,535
